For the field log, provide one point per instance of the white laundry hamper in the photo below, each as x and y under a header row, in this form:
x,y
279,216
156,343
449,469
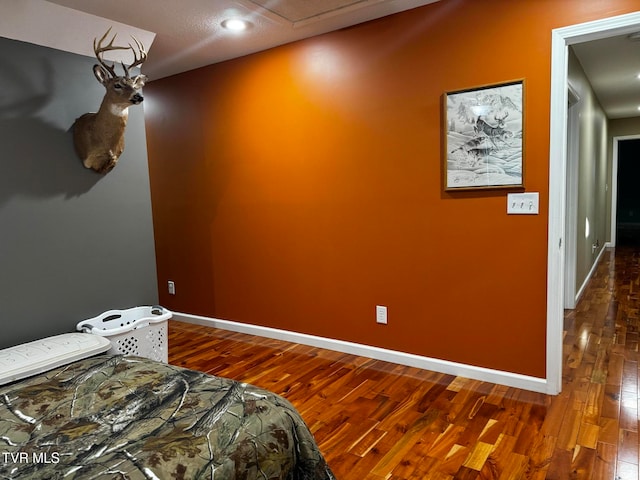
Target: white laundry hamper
x,y
140,331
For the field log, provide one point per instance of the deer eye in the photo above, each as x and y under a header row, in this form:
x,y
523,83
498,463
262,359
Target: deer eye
x,y
117,86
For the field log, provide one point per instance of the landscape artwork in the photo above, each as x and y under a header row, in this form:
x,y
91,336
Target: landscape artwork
x,y
484,137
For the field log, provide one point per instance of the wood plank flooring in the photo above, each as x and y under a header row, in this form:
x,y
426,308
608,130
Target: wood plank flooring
x,y
375,420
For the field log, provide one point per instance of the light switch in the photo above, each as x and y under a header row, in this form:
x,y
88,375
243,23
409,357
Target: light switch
x,y
523,203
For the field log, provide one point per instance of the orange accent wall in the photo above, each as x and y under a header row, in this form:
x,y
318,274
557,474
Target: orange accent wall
x,y
300,187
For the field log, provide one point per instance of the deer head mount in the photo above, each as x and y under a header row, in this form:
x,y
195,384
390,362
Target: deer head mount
x,y
99,137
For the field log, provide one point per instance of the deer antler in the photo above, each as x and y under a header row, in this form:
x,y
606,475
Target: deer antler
x,y
99,49
501,119
136,60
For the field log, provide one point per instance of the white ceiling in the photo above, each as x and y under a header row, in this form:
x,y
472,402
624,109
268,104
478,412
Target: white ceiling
x,y
612,66
187,34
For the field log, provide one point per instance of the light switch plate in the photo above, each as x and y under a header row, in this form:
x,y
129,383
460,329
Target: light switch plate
x,y
523,203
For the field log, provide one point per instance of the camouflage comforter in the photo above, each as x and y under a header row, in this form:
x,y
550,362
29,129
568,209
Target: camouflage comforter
x,y
115,417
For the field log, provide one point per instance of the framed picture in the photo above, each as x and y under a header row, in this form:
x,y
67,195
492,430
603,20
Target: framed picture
x,y
483,130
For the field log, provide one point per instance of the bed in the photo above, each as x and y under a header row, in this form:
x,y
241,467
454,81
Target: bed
x,y
124,417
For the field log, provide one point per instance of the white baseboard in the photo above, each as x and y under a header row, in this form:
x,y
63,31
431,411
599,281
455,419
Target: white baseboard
x,y
442,366
591,272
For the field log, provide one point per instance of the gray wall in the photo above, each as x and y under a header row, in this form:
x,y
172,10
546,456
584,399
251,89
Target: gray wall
x,y
73,243
593,167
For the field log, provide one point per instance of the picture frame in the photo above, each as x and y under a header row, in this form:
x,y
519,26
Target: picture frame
x,y
483,129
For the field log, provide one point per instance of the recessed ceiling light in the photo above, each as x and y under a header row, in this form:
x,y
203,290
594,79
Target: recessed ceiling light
x,y
235,24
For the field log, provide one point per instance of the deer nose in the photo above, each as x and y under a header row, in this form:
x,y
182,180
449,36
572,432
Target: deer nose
x,y
137,98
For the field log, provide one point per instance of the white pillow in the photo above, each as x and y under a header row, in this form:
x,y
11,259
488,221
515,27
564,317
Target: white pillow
x,y
48,353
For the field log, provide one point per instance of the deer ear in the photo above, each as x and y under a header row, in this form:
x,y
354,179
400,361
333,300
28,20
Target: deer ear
x,y
101,73
139,81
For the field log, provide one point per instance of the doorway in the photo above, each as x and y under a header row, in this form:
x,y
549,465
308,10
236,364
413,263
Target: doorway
x,y
627,213
561,39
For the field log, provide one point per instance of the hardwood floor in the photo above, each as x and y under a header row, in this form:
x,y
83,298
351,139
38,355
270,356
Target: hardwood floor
x,y
376,420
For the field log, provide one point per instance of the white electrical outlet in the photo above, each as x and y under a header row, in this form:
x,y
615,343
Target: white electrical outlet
x,y
172,287
523,203
381,314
